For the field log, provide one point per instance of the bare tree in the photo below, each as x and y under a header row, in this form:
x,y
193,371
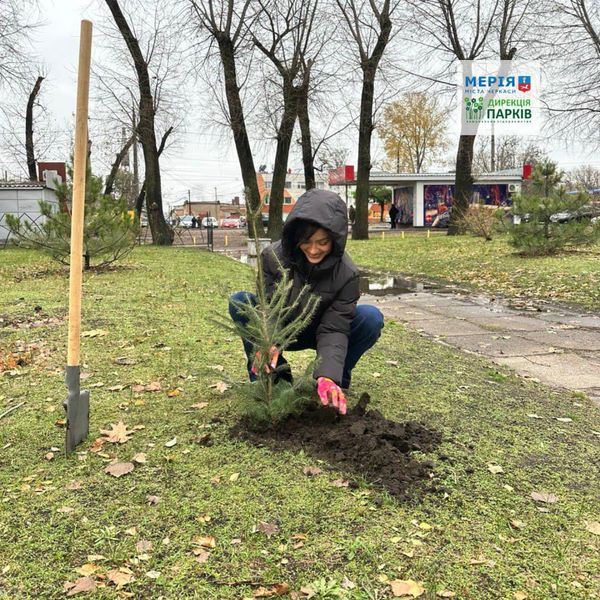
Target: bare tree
x,y
511,152
29,146
225,23
282,33
162,234
369,23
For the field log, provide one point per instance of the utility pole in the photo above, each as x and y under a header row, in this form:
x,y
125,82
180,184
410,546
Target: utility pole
x,y
189,203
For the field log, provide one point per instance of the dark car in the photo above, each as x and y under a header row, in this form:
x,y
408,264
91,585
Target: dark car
x,y
443,219
584,213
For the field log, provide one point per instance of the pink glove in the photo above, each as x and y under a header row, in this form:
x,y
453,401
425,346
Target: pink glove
x,y
329,390
273,358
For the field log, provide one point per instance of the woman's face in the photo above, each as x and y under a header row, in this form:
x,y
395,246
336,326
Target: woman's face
x,y
317,247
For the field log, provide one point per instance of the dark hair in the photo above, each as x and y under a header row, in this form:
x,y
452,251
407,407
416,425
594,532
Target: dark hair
x,y
304,230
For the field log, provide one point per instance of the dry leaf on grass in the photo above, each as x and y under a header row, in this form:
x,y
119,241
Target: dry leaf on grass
x,y
593,527
153,500
123,360
201,555
206,541
140,458
520,595
446,594
234,477
279,589
312,471
119,577
341,483
152,574
199,405
119,469
406,587
143,546
495,469
116,388
87,569
171,443
65,509
173,393
94,333
154,386
220,386
119,434
83,584
564,420
544,497
268,529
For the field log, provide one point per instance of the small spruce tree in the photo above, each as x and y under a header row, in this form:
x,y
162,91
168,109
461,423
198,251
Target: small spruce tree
x,y
538,229
274,321
109,230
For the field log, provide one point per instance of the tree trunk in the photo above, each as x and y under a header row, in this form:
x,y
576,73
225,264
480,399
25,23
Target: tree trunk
x,y
360,229
110,180
139,203
463,187
240,134
162,234
29,130
280,167
307,150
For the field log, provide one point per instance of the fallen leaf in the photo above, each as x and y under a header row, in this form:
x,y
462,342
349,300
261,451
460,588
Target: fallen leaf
x,y
268,529
154,386
564,419
49,456
376,375
544,497
139,458
94,333
446,594
520,595
119,578
201,555
123,360
87,569
65,509
408,553
534,416
171,443
308,591
341,483
220,386
97,444
143,546
153,500
116,388
173,393
517,524
131,531
75,484
199,405
83,584
495,469
593,527
234,477
394,363
425,526
119,434
153,574
312,471
406,587
119,469
207,541
95,557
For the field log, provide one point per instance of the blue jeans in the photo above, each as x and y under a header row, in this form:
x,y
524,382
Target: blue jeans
x,y
365,330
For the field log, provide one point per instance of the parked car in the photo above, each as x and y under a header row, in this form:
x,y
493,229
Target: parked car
x,y
443,219
210,222
186,221
585,212
230,223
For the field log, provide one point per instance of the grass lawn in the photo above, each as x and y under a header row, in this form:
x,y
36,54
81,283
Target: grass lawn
x,y
572,277
219,521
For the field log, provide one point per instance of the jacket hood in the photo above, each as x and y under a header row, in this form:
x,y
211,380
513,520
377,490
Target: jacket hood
x,y
324,208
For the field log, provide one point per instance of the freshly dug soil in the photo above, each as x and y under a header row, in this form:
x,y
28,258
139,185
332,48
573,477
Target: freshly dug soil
x,y
362,444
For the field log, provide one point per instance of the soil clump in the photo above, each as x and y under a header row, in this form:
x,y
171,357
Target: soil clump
x,y
362,444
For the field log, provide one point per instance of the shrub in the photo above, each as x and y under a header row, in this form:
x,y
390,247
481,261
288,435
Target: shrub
x,y
547,219
109,230
481,220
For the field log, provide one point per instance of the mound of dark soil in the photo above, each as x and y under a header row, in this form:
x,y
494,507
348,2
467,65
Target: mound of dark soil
x,y
363,444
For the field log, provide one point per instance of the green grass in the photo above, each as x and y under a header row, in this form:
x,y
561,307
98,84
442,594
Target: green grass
x,y
571,278
157,310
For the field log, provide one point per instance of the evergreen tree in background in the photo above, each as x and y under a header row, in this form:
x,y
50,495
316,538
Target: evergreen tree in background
x,y
548,219
109,230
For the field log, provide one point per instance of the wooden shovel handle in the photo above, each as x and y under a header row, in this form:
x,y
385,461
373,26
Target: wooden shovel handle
x,y
78,201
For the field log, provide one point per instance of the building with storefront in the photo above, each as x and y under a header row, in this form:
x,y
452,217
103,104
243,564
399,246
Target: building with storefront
x,y
421,197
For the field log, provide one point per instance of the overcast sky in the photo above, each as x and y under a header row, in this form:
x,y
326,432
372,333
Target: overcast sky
x,y
203,162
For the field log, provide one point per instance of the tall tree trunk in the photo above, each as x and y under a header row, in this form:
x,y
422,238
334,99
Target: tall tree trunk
x,y
280,167
463,187
240,134
29,130
307,150
110,180
162,233
360,229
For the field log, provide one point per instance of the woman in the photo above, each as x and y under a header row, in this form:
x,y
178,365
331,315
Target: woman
x,y
312,249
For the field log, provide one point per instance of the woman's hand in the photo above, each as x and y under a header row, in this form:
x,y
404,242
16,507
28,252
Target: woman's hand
x,y
329,391
271,363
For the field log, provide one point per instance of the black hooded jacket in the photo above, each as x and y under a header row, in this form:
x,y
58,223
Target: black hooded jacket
x,y
334,279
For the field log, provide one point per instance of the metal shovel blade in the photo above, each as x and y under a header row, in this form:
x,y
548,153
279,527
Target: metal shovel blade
x,y
77,407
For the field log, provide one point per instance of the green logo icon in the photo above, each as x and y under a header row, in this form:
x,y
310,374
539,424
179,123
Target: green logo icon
x,y
474,109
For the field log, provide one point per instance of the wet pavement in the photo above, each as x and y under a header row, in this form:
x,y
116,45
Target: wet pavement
x,y
553,345
556,346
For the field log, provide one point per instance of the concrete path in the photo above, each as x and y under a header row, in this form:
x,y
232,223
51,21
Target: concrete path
x,y
557,347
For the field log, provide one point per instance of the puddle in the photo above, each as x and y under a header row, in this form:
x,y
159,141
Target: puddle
x,y
382,284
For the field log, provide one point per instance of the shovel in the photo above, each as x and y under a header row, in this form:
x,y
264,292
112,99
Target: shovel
x,y
77,404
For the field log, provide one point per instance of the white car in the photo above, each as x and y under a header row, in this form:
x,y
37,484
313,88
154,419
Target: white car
x,y
210,222
186,221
